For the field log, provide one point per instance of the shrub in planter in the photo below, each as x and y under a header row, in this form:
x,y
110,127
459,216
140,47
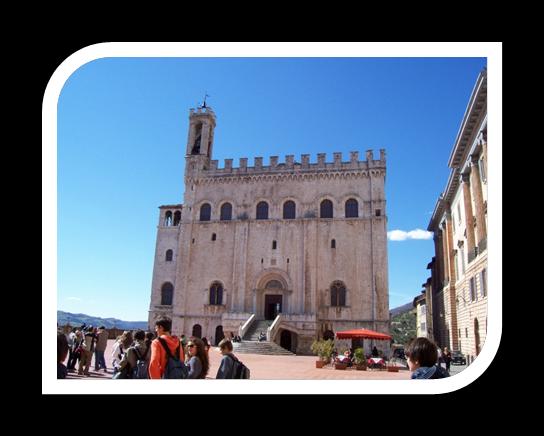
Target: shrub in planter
x,y
324,350
359,357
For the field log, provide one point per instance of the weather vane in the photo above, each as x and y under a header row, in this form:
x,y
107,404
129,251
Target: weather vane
x,y
205,95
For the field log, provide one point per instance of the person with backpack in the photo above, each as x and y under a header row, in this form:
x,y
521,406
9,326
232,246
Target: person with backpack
x,y
167,355
230,366
197,359
119,349
134,363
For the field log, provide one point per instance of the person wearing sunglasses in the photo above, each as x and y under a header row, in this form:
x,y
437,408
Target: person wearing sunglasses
x,y
197,359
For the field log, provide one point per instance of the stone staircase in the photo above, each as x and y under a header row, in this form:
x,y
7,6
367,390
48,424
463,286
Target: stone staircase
x,y
256,328
250,342
264,347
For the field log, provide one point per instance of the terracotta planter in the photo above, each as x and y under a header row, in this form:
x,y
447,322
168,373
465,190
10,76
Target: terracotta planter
x,y
361,367
340,366
319,363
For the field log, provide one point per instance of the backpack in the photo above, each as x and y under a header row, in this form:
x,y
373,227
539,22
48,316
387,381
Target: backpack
x,y
239,369
175,368
141,370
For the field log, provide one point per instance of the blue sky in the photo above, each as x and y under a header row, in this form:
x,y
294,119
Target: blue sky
x,y
122,131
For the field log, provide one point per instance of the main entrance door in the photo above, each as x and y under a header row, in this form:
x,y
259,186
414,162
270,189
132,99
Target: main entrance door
x,y
272,306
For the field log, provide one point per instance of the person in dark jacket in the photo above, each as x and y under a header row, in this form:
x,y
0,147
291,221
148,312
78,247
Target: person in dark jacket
x,y
62,352
422,360
226,368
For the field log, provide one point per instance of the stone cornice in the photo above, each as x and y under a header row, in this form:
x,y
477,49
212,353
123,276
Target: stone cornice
x,y
171,206
476,107
288,177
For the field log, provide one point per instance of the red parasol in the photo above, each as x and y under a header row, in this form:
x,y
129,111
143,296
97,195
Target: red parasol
x,y
362,334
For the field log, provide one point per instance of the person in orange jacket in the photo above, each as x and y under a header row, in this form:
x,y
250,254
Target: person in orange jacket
x,y
157,364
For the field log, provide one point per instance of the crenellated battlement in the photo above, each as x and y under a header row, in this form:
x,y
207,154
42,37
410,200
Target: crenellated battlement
x,y
303,165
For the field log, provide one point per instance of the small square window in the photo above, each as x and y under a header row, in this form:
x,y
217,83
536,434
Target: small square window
x,y
378,212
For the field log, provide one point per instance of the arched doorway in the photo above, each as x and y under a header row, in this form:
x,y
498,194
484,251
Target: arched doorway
x,y
476,336
219,335
197,331
273,299
285,340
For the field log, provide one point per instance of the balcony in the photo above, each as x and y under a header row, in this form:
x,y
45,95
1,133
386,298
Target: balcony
x,y
472,254
482,245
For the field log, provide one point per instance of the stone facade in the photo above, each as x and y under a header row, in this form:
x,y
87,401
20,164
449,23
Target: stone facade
x,y
421,316
260,240
459,222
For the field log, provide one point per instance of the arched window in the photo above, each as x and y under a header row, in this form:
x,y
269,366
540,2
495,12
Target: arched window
x,y
226,212
177,217
216,294
289,210
205,212
325,209
333,243
169,254
352,208
197,331
167,294
262,210
338,294
168,218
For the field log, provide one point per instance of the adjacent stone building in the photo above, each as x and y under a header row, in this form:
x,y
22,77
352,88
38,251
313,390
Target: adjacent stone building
x,y
458,281
422,324
303,245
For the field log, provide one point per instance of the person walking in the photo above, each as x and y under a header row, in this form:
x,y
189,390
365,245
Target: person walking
x,y
197,359
226,368
446,356
70,339
100,349
87,349
159,357
76,351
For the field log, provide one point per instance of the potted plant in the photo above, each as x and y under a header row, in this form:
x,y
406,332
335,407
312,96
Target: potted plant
x,y
360,360
324,350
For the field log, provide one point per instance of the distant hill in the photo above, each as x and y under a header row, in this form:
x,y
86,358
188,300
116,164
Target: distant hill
x,y
401,309
403,324
77,319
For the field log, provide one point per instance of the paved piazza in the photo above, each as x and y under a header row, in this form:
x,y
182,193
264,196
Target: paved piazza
x,y
273,367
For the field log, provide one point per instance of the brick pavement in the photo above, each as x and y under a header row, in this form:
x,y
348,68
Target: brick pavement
x,y
271,368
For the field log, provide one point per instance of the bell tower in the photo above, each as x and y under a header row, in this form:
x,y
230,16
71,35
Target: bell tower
x,y
200,139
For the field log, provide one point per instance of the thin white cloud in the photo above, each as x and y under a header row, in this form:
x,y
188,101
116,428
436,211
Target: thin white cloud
x,y
401,235
74,299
